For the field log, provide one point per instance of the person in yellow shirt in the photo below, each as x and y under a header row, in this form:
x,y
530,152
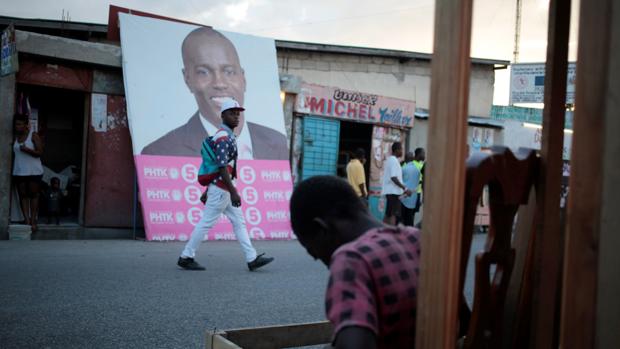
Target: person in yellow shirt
x,y
356,174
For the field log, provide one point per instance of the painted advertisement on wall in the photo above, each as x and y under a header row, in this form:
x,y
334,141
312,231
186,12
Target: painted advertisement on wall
x,y
176,76
356,106
9,64
382,140
527,83
481,139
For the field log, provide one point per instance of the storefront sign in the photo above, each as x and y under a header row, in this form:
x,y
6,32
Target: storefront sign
x,y
355,106
9,63
527,83
171,113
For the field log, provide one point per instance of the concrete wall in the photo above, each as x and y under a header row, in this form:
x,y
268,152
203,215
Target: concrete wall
x,y
418,138
7,103
515,136
419,134
383,76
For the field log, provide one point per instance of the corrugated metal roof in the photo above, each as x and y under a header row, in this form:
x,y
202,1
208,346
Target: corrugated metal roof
x,y
471,120
366,51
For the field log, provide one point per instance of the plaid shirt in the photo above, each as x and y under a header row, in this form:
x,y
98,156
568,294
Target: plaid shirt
x,y
373,284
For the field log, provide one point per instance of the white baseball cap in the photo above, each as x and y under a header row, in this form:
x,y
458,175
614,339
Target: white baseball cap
x,y
230,103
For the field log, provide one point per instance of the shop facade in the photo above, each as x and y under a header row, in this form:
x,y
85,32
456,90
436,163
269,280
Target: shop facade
x,y
330,123
72,91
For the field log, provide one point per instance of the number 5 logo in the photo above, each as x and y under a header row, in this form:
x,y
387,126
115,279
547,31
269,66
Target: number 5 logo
x,y
192,195
189,173
250,195
253,216
248,176
194,215
257,233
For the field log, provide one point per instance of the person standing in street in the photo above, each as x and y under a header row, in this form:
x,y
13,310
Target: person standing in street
x,y
356,174
418,162
411,179
217,171
393,186
27,169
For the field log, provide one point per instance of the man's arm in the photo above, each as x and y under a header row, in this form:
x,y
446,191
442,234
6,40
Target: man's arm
x,y
38,147
360,178
363,189
355,337
392,168
222,148
234,195
354,316
400,185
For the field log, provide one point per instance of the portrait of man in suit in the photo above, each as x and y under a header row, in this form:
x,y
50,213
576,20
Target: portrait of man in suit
x,y
212,72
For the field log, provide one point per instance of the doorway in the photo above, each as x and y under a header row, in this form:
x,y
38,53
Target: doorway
x,y
58,116
354,135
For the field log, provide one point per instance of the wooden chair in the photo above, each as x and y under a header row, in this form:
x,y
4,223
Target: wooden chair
x,y
502,290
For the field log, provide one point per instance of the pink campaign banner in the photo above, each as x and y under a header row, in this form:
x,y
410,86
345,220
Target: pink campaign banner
x,y
170,197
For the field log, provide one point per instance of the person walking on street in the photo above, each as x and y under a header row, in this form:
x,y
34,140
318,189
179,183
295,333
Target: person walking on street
x,y
411,179
356,175
393,186
27,169
217,171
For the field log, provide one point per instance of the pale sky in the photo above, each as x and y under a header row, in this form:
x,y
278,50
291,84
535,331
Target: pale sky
x,y
401,25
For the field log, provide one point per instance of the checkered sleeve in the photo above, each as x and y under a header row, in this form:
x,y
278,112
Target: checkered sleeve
x,y
222,148
349,300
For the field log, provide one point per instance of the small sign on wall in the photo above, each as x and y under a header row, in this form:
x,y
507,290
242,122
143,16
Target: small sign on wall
x,y
481,138
99,112
9,63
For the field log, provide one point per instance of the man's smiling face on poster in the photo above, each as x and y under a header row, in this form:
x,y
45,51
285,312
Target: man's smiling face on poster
x,y
212,72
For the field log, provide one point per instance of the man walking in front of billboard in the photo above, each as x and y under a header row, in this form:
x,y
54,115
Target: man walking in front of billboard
x,y
217,171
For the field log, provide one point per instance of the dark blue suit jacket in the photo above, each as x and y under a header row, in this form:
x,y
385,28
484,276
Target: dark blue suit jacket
x,y
186,140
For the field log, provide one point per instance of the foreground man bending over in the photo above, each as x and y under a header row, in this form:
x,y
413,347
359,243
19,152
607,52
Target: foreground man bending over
x,y
372,291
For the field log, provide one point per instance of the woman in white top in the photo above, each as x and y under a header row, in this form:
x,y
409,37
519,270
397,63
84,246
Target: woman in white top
x,y
27,168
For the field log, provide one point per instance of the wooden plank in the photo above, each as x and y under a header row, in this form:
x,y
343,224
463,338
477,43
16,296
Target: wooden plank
x,y
443,212
549,233
520,278
608,307
70,49
216,340
594,191
284,336
85,128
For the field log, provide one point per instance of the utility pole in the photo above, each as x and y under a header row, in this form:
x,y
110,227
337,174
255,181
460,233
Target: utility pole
x,y
515,58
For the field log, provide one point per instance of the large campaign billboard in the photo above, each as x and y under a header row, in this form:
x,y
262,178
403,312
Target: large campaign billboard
x,y
176,77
